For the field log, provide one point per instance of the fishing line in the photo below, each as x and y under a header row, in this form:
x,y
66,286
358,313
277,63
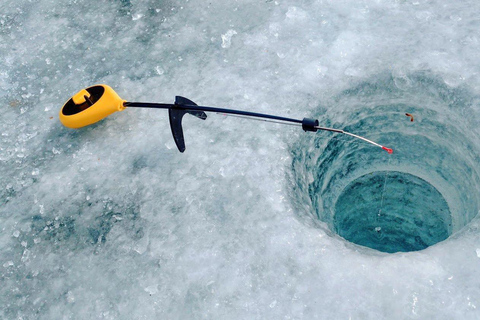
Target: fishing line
x,y
384,188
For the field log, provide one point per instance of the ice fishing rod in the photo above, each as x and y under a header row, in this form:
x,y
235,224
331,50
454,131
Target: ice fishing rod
x,y
95,103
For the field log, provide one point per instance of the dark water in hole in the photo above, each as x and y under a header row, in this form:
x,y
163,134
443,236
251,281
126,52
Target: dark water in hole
x,y
391,212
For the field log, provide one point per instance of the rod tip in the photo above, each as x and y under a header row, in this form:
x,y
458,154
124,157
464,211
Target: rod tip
x,y
389,150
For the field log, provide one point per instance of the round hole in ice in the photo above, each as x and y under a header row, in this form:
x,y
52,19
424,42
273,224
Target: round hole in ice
x,y
432,177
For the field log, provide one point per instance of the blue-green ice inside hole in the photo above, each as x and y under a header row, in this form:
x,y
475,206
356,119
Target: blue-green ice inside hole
x,y
392,211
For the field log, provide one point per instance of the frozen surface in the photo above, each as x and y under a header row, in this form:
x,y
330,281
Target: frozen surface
x,y
111,222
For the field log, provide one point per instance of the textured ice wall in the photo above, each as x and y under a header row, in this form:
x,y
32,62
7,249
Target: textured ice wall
x,y
111,222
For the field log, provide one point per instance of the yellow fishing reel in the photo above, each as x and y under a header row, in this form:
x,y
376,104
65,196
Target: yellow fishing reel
x,y
90,105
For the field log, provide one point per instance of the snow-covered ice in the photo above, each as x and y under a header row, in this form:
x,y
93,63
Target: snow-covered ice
x,y
112,222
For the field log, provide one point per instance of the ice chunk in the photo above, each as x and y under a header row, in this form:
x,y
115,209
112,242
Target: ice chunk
x,y
153,289
227,38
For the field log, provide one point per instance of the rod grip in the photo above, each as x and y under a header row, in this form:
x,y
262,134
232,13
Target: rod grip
x,y
309,124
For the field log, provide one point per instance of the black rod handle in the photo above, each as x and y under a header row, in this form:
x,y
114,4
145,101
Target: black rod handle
x,y
208,109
